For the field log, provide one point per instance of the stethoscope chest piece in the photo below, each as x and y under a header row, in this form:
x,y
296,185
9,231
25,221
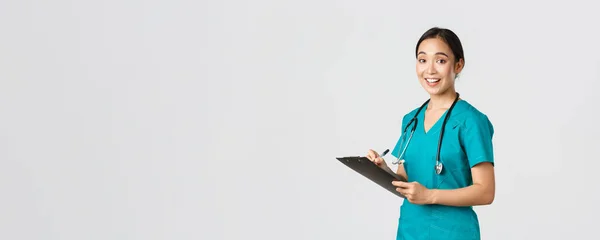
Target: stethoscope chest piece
x,y
439,167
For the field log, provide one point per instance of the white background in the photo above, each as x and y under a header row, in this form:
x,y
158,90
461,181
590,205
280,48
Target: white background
x,y
222,120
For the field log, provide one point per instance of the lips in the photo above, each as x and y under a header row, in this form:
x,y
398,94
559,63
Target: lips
x,y
432,80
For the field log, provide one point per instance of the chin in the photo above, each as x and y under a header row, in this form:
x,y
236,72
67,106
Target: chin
x,y
432,90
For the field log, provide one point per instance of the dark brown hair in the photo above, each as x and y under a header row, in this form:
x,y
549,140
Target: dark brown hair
x,y
447,36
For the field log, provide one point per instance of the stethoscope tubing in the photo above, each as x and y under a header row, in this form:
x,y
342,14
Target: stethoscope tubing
x,y
414,122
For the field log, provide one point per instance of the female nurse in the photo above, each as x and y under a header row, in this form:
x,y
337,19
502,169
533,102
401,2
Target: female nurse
x,y
440,193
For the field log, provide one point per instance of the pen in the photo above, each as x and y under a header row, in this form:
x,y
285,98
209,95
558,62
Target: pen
x,y
384,153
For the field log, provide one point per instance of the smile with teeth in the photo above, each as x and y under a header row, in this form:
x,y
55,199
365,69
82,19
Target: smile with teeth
x,y
432,80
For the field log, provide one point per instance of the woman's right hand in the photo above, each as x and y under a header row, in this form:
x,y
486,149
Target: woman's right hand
x,y
375,158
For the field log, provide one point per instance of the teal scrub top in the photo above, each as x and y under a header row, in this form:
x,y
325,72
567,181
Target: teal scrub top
x,y
467,141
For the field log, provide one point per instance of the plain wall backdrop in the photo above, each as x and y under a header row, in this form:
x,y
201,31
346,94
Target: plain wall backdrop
x,y
222,119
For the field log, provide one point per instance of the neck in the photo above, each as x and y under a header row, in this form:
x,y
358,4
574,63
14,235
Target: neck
x,y
442,101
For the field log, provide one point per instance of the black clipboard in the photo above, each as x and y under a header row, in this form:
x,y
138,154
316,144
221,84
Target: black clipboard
x,y
368,169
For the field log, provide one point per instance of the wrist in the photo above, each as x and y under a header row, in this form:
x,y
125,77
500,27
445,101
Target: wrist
x,y
432,196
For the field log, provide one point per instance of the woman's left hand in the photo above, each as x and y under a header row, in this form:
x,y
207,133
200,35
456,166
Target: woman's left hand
x,y
414,192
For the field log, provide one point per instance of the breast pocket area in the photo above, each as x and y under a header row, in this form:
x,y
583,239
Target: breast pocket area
x,y
455,173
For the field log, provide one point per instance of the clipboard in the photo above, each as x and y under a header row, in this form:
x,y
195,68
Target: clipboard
x,y
368,169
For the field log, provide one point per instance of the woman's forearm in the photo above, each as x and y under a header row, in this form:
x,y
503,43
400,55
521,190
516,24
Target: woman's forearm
x,y
473,195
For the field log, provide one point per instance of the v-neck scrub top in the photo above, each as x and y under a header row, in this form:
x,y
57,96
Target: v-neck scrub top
x,y
467,141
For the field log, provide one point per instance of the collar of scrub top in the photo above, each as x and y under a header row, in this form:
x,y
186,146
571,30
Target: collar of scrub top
x,y
438,165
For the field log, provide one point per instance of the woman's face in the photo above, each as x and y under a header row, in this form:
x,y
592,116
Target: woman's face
x,y
436,67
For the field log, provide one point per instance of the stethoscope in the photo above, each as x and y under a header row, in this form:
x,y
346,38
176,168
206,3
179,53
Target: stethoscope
x,y
438,165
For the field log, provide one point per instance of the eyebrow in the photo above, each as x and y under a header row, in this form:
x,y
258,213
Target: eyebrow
x,y
437,53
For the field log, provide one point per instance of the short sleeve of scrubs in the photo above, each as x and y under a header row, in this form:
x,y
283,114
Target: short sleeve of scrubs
x,y
477,139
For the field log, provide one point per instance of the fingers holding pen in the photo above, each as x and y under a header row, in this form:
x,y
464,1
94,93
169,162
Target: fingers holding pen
x,y
376,158
372,154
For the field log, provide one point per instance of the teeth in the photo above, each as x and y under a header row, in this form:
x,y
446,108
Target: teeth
x,y
432,80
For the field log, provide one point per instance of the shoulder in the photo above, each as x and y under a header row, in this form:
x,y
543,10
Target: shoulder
x,y
470,117
409,115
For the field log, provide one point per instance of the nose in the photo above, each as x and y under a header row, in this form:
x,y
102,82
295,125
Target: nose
x,y
430,68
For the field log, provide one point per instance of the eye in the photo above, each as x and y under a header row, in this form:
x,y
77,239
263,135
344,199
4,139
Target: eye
x,y
442,61
421,60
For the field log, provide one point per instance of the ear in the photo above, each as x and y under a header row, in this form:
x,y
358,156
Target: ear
x,y
459,66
